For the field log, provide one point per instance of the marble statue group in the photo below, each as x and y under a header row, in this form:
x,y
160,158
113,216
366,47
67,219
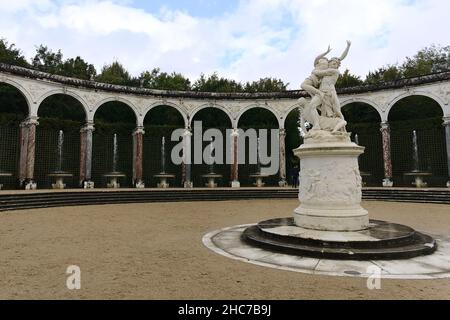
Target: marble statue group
x,y
323,111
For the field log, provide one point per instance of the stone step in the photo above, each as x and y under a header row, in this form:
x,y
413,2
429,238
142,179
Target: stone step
x,y
71,198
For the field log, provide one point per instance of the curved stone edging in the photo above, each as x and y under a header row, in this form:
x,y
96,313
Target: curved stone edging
x,y
436,266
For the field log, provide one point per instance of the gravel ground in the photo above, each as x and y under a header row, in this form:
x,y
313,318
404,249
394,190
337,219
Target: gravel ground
x,y
155,251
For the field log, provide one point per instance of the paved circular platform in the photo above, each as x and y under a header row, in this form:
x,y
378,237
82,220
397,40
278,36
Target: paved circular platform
x,y
228,242
381,240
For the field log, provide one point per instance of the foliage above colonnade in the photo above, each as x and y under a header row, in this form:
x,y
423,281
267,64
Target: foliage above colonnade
x,y
429,60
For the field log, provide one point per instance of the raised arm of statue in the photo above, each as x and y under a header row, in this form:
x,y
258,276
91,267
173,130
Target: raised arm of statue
x,y
316,61
345,53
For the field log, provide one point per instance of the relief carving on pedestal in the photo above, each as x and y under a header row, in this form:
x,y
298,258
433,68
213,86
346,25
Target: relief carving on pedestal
x,y
333,183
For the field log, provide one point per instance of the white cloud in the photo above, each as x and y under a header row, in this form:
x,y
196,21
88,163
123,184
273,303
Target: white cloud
x,y
276,38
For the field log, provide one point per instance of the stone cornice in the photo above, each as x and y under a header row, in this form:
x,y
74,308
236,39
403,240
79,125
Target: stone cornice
x,y
293,94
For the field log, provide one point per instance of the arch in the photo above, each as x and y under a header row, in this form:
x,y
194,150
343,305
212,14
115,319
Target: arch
x,y
415,93
288,112
261,106
180,109
136,112
209,105
23,91
66,95
62,91
365,101
366,105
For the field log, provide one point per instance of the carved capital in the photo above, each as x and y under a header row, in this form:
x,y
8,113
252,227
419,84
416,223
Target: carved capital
x,y
187,132
384,126
446,121
89,126
138,130
31,121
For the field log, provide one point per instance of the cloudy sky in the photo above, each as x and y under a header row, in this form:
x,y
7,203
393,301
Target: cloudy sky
x,y
241,39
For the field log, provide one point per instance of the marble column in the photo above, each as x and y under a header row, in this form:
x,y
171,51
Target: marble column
x,y
282,182
138,145
187,160
386,137
27,152
447,141
234,159
86,134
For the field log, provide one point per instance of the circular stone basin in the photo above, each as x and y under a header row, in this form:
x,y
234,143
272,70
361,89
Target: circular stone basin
x,y
60,174
382,240
418,174
164,175
115,175
259,175
5,174
212,175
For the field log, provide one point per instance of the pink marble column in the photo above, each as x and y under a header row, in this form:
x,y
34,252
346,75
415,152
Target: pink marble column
x,y
86,155
234,177
282,182
27,152
386,136
23,139
187,161
447,142
138,145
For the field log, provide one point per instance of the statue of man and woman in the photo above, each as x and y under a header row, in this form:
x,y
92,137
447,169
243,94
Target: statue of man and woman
x,y
323,111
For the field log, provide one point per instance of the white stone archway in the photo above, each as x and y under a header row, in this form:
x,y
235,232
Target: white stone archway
x,y
69,93
138,116
416,93
182,111
23,91
212,106
280,119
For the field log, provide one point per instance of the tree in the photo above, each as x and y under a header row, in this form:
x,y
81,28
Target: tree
x,y
115,73
47,60
78,68
266,85
214,83
11,55
156,79
384,74
348,80
428,60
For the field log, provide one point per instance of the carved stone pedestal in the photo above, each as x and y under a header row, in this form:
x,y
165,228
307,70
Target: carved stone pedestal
x,y
388,183
59,179
88,185
259,179
139,184
418,178
330,185
235,184
113,178
30,185
163,180
211,179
